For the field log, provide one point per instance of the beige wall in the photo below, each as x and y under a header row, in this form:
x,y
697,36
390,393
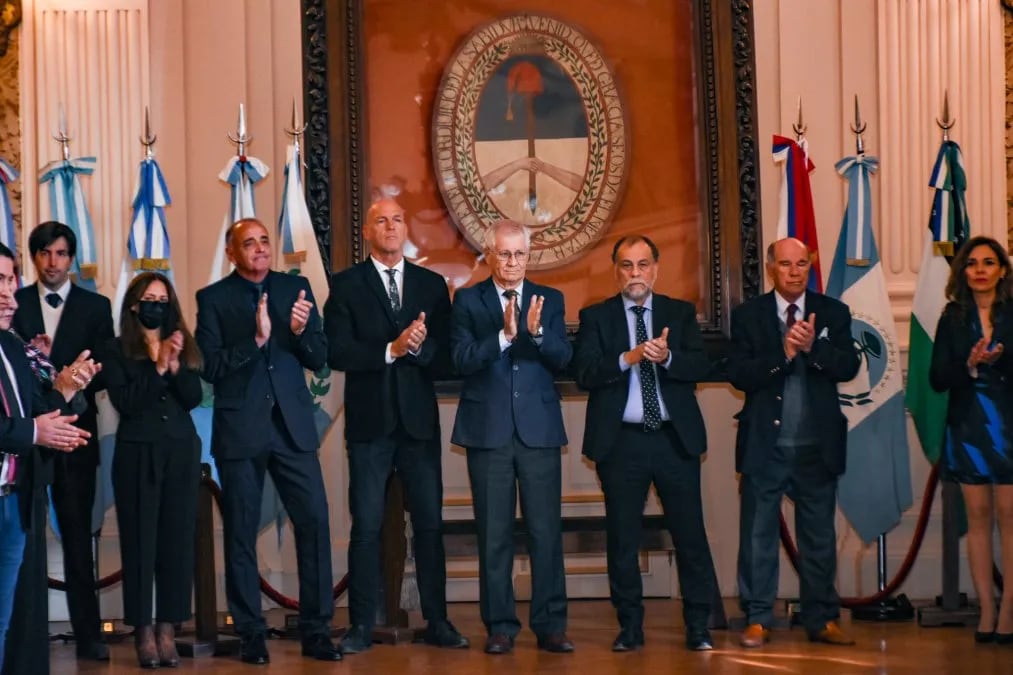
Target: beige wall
x,y
207,56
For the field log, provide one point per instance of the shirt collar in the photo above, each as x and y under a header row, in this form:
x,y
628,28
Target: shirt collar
x,y
648,303
782,306
62,291
382,269
500,290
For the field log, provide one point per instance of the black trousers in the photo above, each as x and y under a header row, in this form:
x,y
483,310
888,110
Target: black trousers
x,y
801,473
370,465
73,498
300,485
156,509
639,459
27,651
496,474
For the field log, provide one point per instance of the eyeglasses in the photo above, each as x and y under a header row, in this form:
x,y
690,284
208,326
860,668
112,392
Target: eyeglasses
x,y
505,256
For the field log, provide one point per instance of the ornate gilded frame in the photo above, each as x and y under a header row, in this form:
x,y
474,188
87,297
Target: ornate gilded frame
x,y
334,102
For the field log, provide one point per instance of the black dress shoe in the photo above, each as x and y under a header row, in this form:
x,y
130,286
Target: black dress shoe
x,y
498,643
253,649
557,643
321,648
699,640
628,640
93,651
356,639
443,634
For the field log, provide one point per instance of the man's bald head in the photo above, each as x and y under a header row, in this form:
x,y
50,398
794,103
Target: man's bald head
x,y
788,262
385,229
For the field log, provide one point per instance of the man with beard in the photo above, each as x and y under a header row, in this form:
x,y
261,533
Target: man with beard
x,y
640,355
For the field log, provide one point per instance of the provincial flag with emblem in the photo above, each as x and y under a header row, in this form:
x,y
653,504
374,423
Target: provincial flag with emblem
x,y
875,490
948,228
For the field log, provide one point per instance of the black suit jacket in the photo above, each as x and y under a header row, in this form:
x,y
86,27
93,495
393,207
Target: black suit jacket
x,y
86,323
359,322
603,336
17,433
247,379
757,365
955,337
152,407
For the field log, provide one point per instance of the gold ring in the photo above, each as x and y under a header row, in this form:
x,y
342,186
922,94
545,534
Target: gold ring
x,y
73,372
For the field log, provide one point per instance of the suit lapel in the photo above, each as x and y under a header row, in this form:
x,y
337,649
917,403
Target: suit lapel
x,y
32,308
492,303
372,280
770,320
69,317
616,314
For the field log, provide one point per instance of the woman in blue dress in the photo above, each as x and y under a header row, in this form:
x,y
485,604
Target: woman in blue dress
x,y
969,361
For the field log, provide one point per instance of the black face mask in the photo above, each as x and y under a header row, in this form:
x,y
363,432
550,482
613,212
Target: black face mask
x,y
153,314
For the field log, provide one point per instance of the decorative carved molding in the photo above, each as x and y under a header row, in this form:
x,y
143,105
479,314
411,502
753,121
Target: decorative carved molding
x,y
10,127
749,170
317,147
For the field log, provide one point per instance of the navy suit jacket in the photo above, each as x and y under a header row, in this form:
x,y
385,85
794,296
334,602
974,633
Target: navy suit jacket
x,y
359,323
757,365
604,336
86,323
509,391
247,379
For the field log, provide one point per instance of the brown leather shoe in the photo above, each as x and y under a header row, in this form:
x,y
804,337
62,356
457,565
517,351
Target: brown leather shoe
x,y
498,643
754,636
557,643
832,635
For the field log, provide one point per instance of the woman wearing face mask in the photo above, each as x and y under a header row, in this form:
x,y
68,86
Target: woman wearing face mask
x,y
152,379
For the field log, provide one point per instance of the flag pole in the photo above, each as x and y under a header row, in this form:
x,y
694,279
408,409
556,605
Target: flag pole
x,y
888,608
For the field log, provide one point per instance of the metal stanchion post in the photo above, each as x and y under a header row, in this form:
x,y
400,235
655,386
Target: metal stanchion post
x,y
889,608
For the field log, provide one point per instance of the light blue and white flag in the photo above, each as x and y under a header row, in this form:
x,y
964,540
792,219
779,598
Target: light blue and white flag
x,y
67,204
241,173
300,254
876,488
7,176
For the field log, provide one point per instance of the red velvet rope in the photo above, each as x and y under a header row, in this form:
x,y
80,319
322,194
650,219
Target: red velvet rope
x,y
912,553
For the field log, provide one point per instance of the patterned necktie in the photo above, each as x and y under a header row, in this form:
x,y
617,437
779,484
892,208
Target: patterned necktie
x,y
54,300
517,304
648,382
789,319
40,363
395,298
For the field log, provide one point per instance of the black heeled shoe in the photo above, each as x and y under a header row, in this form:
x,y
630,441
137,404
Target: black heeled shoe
x,y
144,644
983,638
1003,638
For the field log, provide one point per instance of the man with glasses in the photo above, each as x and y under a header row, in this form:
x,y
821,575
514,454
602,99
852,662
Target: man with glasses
x,y
508,342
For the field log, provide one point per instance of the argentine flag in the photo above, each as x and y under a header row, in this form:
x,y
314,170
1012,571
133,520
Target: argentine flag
x,y
876,488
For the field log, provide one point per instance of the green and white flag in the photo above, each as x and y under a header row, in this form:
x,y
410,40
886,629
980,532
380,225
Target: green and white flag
x,y
948,229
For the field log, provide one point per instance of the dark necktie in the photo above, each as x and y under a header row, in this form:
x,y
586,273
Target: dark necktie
x,y
395,298
789,318
54,300
648,383
258,292
517,304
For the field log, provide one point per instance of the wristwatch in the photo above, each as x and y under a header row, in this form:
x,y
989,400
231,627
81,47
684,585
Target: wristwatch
x,y
537,333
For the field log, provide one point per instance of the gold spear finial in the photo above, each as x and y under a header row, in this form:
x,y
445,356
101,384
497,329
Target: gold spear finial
x,y
858,128
947,122
61,136
799,126
148,139
296,130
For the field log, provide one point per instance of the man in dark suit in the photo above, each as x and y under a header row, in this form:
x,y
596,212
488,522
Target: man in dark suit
x,y
388,327
28,434
62,319
508,341
790,348
258,331
640,355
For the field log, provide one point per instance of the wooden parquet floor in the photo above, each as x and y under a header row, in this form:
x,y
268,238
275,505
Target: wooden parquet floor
x,y
882,648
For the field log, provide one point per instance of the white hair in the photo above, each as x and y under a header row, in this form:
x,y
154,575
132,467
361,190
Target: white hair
x,y
506,227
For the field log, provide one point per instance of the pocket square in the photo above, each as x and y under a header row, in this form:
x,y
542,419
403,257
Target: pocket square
x,y
824,334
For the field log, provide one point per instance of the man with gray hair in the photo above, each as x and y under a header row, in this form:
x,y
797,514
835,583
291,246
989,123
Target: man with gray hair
x,y
508,341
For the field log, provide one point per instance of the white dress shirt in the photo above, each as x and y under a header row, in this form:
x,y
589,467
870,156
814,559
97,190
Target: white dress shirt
x,y
51,315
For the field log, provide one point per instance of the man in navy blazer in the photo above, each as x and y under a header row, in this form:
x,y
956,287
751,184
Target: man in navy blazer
x,y
790,349
259,331
640,355
388,328
508,342
62,319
